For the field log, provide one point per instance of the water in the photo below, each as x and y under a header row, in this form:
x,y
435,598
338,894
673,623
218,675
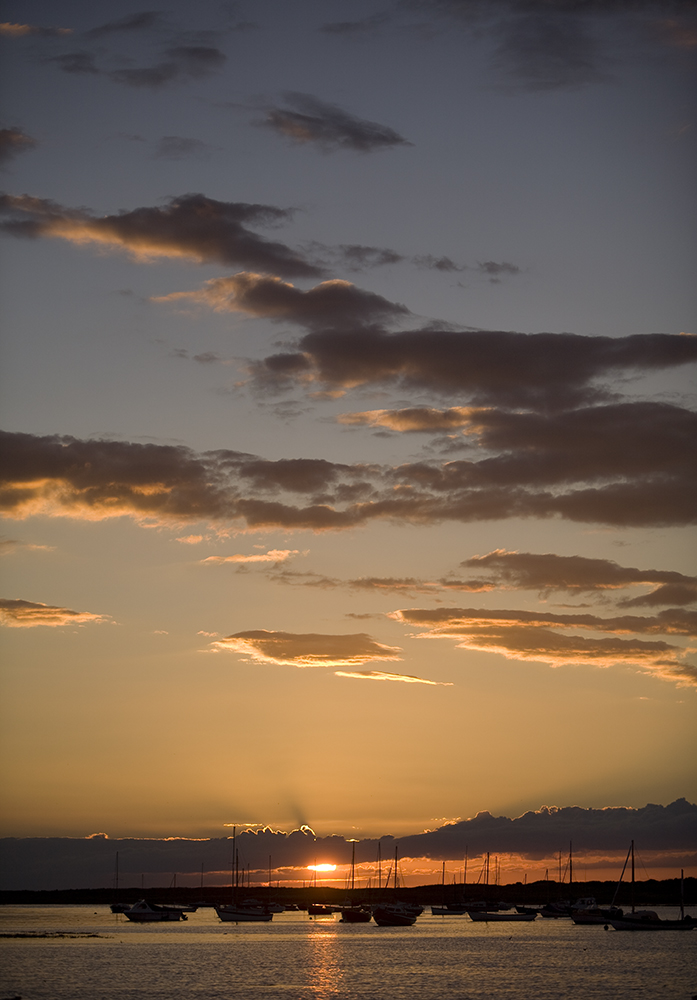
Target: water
x,y
298,958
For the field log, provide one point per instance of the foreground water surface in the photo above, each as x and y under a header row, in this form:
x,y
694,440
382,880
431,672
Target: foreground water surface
x,y
88,953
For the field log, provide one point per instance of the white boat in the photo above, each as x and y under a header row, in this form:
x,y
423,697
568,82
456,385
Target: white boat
x,y
143,912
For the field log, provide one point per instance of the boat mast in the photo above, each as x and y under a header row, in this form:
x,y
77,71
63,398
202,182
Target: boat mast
x,y
632,876
396,855
571,867
353,867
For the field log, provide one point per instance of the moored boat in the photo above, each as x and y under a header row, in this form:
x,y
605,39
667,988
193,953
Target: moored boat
x,y
394,915
649,920
492,916
240,914
143,912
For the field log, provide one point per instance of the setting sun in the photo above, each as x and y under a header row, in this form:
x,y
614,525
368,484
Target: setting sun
x,y
322,868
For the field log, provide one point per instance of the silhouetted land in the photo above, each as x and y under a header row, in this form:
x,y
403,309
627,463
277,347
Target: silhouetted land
x,y
646,893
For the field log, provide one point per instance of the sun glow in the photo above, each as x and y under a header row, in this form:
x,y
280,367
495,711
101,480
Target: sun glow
x,y
322,868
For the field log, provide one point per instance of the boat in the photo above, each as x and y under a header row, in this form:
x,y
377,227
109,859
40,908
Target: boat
x,y
396,914
491,916
320,910
649,920
354,913
115,906
143,912
241,912
586,911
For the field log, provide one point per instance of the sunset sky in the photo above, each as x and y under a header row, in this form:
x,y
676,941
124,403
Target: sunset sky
x,y
348,413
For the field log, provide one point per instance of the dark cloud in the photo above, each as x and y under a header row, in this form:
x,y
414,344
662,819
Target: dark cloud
x,y
27,614
141,21
564,44
547,573
14,141
365,25
497,272
309,120
307,649
62,862
358,257
76,63
97,479
191,226
180,63
543,370
176,147
331,304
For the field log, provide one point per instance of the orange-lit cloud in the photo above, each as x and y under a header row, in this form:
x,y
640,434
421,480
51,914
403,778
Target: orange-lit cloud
x,y
533,636
12,30
14,141
192,227
272,556
309,649
27,614
606,478
381,675
330,304
413,418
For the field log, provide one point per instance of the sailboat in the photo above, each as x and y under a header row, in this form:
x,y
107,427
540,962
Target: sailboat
x,y
486,915
236,912
354,914
117,907
648,920
395,914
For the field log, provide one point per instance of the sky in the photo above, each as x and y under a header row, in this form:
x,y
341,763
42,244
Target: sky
x,y
348,409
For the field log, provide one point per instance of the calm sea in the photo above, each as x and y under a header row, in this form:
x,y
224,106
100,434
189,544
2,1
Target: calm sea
x,y
88,953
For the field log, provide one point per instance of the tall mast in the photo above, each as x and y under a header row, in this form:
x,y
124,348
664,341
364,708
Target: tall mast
x,y
632,876
353,866
396,855
571,868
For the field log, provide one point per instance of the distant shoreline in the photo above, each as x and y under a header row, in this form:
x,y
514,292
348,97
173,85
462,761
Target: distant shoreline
x,y
650,891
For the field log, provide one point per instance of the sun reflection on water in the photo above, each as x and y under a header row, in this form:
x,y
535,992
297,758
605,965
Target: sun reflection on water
x,y
324,969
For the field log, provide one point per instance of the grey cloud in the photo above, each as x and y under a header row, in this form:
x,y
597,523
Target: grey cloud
x,y
562,44
141,21
62,862
77,63
543,370
309,120
365,25
181,63
329,305
191,226
496,272
14,141
63,476
548,573
175,147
